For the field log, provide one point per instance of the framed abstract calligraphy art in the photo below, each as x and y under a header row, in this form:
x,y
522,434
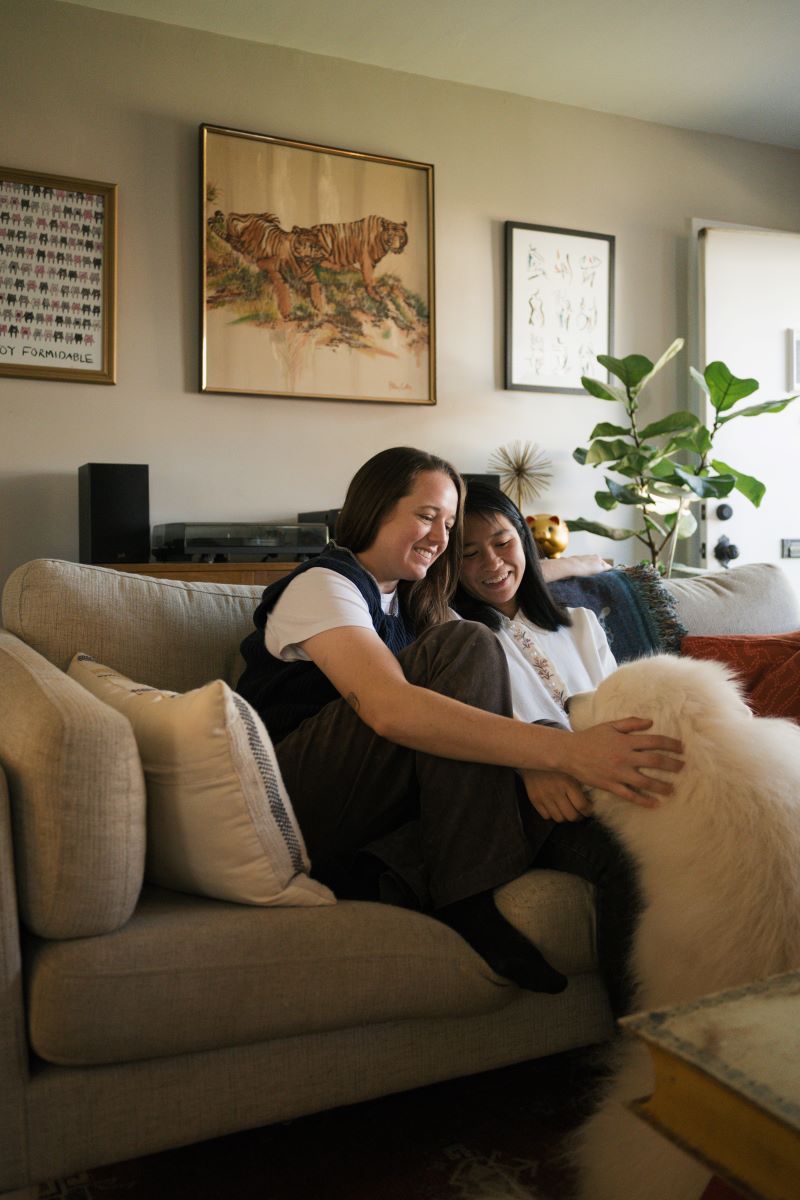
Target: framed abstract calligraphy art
x,y
58,277
317,274
559,306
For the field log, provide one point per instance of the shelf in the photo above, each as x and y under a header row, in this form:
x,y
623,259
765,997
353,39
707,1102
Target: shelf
x,y
258,573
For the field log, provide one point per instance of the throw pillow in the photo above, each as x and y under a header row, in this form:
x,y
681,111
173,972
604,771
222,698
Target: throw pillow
x,y
768,667
219,821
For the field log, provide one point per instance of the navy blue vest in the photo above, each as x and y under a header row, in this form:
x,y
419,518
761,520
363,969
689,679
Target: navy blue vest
x,y
286,693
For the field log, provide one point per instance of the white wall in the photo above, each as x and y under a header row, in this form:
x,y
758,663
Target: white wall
x,y
118,99
749,302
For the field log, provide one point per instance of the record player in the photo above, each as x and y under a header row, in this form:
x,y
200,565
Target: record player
x,y
224,541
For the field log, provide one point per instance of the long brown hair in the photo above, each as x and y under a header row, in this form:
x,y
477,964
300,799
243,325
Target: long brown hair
x,y
373,492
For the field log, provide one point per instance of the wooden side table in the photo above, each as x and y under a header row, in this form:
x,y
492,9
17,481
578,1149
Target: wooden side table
x,y
727,1083
259,573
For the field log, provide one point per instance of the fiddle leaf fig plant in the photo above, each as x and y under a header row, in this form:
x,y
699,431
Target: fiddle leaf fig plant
x,y
666,465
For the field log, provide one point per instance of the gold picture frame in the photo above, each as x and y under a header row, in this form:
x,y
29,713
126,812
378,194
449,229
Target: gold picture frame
x,y
58,277
317,271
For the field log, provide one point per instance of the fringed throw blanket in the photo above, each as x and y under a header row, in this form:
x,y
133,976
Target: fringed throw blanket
x,y
633,606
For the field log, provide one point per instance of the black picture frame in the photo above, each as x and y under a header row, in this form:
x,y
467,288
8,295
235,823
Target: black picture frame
x,y
559,306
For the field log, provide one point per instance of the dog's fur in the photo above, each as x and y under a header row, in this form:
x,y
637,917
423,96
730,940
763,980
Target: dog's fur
x,y
719,870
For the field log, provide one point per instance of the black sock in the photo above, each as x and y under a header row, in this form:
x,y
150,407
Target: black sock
x,y
505,949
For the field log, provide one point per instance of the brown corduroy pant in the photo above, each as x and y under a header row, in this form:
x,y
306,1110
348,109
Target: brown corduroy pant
x,y
450,829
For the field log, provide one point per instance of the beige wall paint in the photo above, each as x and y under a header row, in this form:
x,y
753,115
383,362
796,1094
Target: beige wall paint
x,y
110,98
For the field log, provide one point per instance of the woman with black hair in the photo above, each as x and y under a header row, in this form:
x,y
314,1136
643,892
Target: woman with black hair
x,y
394,726
552,653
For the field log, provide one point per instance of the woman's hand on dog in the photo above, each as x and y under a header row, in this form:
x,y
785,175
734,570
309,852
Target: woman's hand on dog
x,y
612,756
555,796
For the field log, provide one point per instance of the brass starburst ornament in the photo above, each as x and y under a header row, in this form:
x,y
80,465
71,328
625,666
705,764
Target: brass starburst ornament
x,y
524,469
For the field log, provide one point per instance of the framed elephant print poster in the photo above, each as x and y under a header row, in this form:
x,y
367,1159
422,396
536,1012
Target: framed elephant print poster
x,y
58,277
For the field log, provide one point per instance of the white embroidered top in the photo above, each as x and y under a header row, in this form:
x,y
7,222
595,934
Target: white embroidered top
x,y
547,667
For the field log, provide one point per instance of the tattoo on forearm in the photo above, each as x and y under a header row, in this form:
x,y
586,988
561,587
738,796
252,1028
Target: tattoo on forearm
x,y
352,700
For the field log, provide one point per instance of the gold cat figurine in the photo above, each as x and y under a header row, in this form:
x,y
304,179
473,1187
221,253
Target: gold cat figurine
x,y
550,534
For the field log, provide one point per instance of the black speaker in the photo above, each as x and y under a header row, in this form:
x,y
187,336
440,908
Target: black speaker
x,y
329,517
469,477
114,511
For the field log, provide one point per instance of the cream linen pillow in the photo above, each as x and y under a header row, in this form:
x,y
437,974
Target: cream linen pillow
x,y
219,820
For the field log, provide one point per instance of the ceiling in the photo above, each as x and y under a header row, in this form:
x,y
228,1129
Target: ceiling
x,y
720,66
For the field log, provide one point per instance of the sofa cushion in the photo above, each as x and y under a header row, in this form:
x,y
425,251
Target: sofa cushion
x,y
219,821
189,974
77,797
174,635
755,598
768,668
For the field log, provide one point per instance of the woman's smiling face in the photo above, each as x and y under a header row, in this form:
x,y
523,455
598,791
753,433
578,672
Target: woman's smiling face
x,y
493,562
414,533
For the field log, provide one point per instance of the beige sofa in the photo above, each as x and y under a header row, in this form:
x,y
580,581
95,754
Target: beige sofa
x,y
135,1018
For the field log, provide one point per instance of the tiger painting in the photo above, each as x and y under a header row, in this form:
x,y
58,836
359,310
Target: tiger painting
x,y
259,237
360,244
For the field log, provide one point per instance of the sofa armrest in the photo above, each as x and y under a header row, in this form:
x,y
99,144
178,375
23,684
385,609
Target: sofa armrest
x,y
77,798
13,1035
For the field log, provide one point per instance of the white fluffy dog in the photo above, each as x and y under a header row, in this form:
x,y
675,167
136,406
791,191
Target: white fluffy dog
x,y
719,869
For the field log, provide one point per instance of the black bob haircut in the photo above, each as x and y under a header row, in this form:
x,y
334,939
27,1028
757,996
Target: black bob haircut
x,y
533,597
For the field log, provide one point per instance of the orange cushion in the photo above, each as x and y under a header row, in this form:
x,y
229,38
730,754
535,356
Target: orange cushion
x,y
768,667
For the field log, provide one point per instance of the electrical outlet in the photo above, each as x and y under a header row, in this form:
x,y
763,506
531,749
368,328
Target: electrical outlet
x,y
790,547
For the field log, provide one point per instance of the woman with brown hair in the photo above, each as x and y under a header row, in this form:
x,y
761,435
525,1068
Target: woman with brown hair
x,y
394,731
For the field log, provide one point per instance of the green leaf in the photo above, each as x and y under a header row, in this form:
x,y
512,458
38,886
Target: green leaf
x,y
686,525
626,495
705,485
677,420
700,380
724,388
579,454
605,500
654,523
603,391
664,470
752,488
698,441
674,490
604,429
583,526
718,486
602,451
623,467
754,409
668,354
629,370
634,463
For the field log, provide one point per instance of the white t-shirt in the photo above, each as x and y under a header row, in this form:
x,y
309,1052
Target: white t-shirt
x,y
545,667
314,602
